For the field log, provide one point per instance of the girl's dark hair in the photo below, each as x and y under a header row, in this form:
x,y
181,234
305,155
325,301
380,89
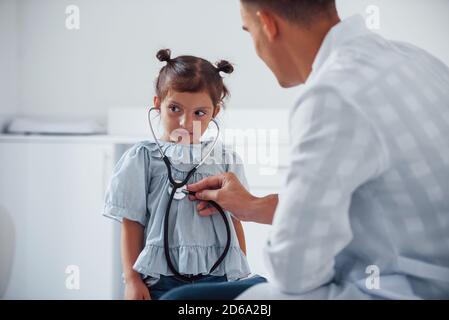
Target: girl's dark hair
x,y
192,74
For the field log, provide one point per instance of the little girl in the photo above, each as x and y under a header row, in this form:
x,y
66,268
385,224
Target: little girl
x,y
189,93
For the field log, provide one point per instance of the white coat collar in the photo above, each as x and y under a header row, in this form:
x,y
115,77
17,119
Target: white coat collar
x,y
346,30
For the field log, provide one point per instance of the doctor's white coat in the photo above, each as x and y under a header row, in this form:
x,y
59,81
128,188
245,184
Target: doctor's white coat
x,y
365,209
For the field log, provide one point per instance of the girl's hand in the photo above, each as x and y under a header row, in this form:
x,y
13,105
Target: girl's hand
x,y
135,289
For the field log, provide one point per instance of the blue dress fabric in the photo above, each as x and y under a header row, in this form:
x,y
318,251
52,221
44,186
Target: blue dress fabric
x,y
138,191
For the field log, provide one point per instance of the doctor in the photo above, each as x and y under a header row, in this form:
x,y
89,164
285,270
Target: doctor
x,y
364,212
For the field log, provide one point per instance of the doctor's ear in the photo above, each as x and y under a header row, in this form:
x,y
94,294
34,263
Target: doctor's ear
x,y
157,103
268,23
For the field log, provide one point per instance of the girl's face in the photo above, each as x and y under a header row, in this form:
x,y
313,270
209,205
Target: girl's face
x,y
185,116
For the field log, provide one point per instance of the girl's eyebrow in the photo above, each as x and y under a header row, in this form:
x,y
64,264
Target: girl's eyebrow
x,y
204,107
175,102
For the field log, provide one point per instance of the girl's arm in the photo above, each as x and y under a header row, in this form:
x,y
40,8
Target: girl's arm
x,y
240,234
131,245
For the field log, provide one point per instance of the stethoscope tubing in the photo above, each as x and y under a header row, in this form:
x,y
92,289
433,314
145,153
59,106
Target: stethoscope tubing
x,y
176,185
167,245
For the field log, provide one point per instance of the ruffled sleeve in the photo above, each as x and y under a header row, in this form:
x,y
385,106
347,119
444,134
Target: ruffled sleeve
x,y
126,196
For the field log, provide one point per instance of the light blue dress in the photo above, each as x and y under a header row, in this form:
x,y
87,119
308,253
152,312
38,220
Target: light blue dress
x,y
138,192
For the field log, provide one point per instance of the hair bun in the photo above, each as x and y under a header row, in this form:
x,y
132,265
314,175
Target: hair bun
x,y
224,66
163,55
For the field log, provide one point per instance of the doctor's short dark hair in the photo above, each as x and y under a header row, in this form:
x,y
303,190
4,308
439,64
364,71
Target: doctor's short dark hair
x,y
192,74
301,11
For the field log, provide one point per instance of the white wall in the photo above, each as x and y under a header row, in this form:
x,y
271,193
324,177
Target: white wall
x,y
111,60
8,60
423,23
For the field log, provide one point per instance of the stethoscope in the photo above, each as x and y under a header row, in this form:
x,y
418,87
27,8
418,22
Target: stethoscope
x,y
178,191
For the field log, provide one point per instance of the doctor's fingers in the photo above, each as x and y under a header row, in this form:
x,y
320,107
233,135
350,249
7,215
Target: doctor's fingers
x,y
209,195
213,182
202,205
207,211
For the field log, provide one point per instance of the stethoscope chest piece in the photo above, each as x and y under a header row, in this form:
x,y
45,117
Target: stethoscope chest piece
x,y
179,194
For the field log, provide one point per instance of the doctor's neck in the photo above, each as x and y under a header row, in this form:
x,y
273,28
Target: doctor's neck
x,y
303,44
288,34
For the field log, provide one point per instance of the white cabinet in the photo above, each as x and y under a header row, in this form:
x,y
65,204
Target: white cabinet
x,y
54,242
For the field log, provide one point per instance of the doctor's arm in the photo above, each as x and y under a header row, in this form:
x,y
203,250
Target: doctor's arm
x,y
334,151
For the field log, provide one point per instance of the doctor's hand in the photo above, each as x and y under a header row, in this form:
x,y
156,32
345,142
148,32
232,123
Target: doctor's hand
x,y
226,190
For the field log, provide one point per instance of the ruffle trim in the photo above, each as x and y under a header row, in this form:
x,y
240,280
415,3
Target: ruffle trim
x,y
192,260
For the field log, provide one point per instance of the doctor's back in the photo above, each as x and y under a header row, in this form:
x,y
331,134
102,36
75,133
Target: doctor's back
x,y
370,163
